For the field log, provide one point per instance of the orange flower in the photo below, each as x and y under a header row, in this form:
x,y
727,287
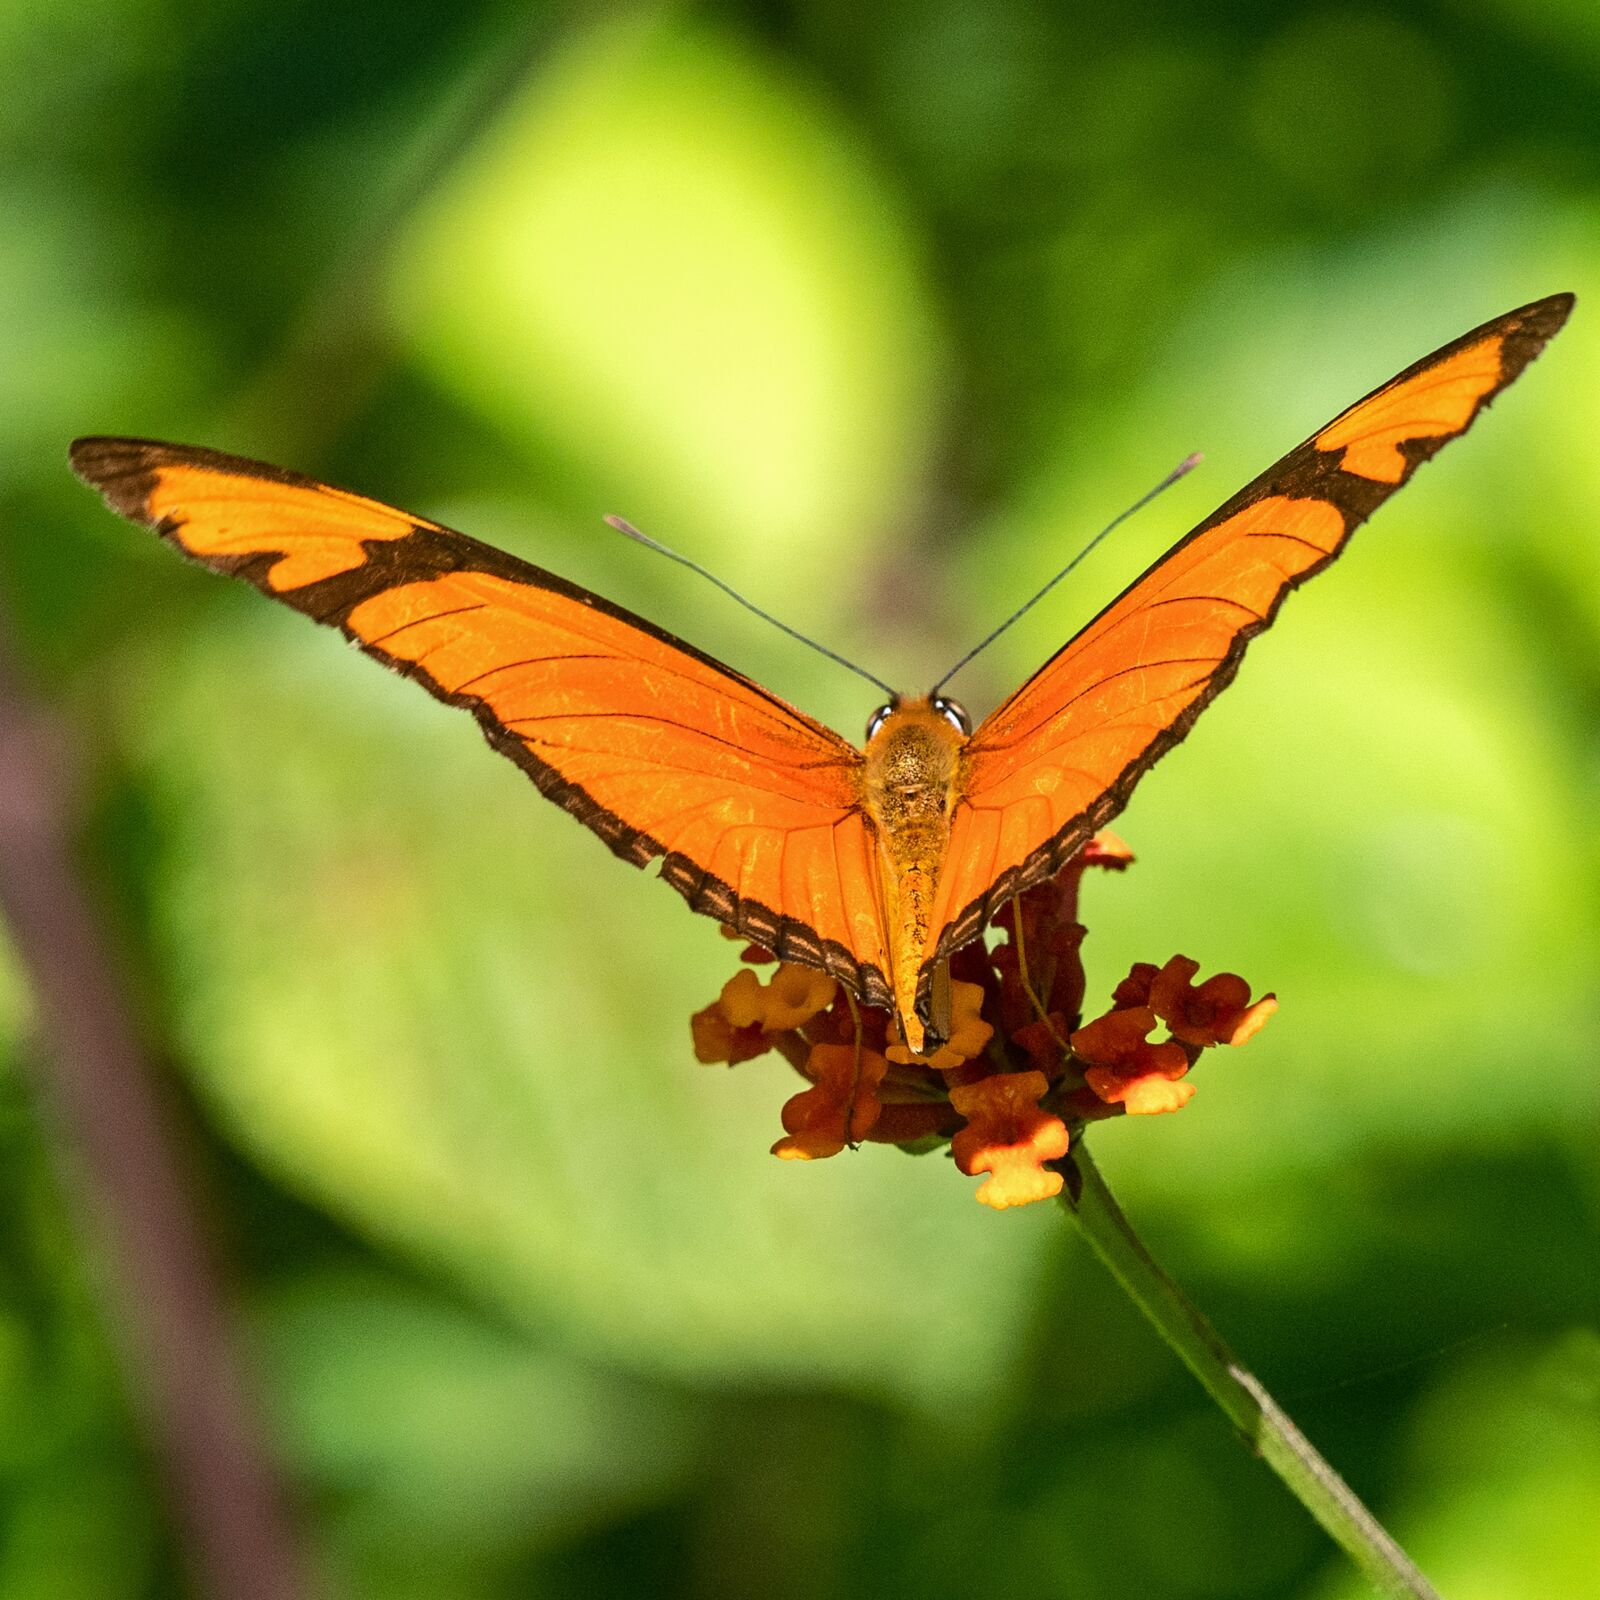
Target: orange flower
x,y
1009,1137
841,1106
716,1039
1106,849
1126,1069
1146,1096
1218,1012
1018,1078
969,1033
794,996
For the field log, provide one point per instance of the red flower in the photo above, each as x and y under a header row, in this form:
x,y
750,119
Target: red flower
x,y
1126,1069
840,1107
1218,1012
1018,1077
1134,990
1041,1042
913,1121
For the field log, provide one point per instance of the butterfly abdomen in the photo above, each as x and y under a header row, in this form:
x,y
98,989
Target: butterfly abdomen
x,y
911,778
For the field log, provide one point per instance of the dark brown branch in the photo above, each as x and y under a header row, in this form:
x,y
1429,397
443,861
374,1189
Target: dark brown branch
x,y
172,1321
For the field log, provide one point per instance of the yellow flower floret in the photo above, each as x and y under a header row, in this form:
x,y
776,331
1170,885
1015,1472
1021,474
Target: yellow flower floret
x,y
969,1033
794,996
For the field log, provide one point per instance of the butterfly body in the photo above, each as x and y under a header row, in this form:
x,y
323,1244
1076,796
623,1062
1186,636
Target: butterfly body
x,y
911,776
873,865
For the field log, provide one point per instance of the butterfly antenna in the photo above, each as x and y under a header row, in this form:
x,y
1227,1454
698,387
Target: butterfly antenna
x,y
733,594
1188,464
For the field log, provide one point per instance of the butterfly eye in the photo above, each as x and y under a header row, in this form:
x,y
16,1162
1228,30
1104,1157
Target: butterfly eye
x,y
877,720
954,713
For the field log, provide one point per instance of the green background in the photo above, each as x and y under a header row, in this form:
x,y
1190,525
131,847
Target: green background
x,y
880,312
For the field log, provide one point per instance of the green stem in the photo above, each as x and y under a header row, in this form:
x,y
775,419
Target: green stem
x,y
1266,1429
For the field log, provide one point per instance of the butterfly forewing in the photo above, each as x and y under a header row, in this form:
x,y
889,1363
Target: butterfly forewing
x,y
662,751
1060,758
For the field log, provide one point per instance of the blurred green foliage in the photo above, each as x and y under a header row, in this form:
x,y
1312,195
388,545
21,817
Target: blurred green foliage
x,y
881,311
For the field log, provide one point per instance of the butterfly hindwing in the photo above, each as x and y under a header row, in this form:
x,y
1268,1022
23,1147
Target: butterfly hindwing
x,y
662,751
1060,758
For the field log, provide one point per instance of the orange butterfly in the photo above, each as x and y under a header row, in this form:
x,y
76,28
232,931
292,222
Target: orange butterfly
x,y
873,864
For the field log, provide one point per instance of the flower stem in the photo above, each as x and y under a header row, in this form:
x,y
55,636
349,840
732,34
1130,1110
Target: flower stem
x,y
1264,1426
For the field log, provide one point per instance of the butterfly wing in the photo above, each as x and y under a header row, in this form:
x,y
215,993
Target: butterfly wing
x,y
662,751
1062,755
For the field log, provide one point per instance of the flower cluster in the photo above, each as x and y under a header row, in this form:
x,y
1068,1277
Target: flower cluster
x,y
1021,1072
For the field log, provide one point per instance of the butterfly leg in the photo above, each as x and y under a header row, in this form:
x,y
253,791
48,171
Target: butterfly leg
x,y
940,1003
1028,989
855,1080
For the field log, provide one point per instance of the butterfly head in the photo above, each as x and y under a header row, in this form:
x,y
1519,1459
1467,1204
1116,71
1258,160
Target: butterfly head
x,y
941,705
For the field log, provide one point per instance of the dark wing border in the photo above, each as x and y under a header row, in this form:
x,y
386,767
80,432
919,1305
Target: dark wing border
x,y
1304,473
124,471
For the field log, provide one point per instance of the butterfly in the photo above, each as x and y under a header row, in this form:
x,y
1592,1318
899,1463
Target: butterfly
x,y
873,864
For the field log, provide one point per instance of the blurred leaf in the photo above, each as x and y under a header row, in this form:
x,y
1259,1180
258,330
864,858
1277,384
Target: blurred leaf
x,y
726,275
81,1535
1569,28
1346,137
78,1516
76,347
1379,820
58,63
435,1004
14,998
674,265
1505,1477
434,1427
